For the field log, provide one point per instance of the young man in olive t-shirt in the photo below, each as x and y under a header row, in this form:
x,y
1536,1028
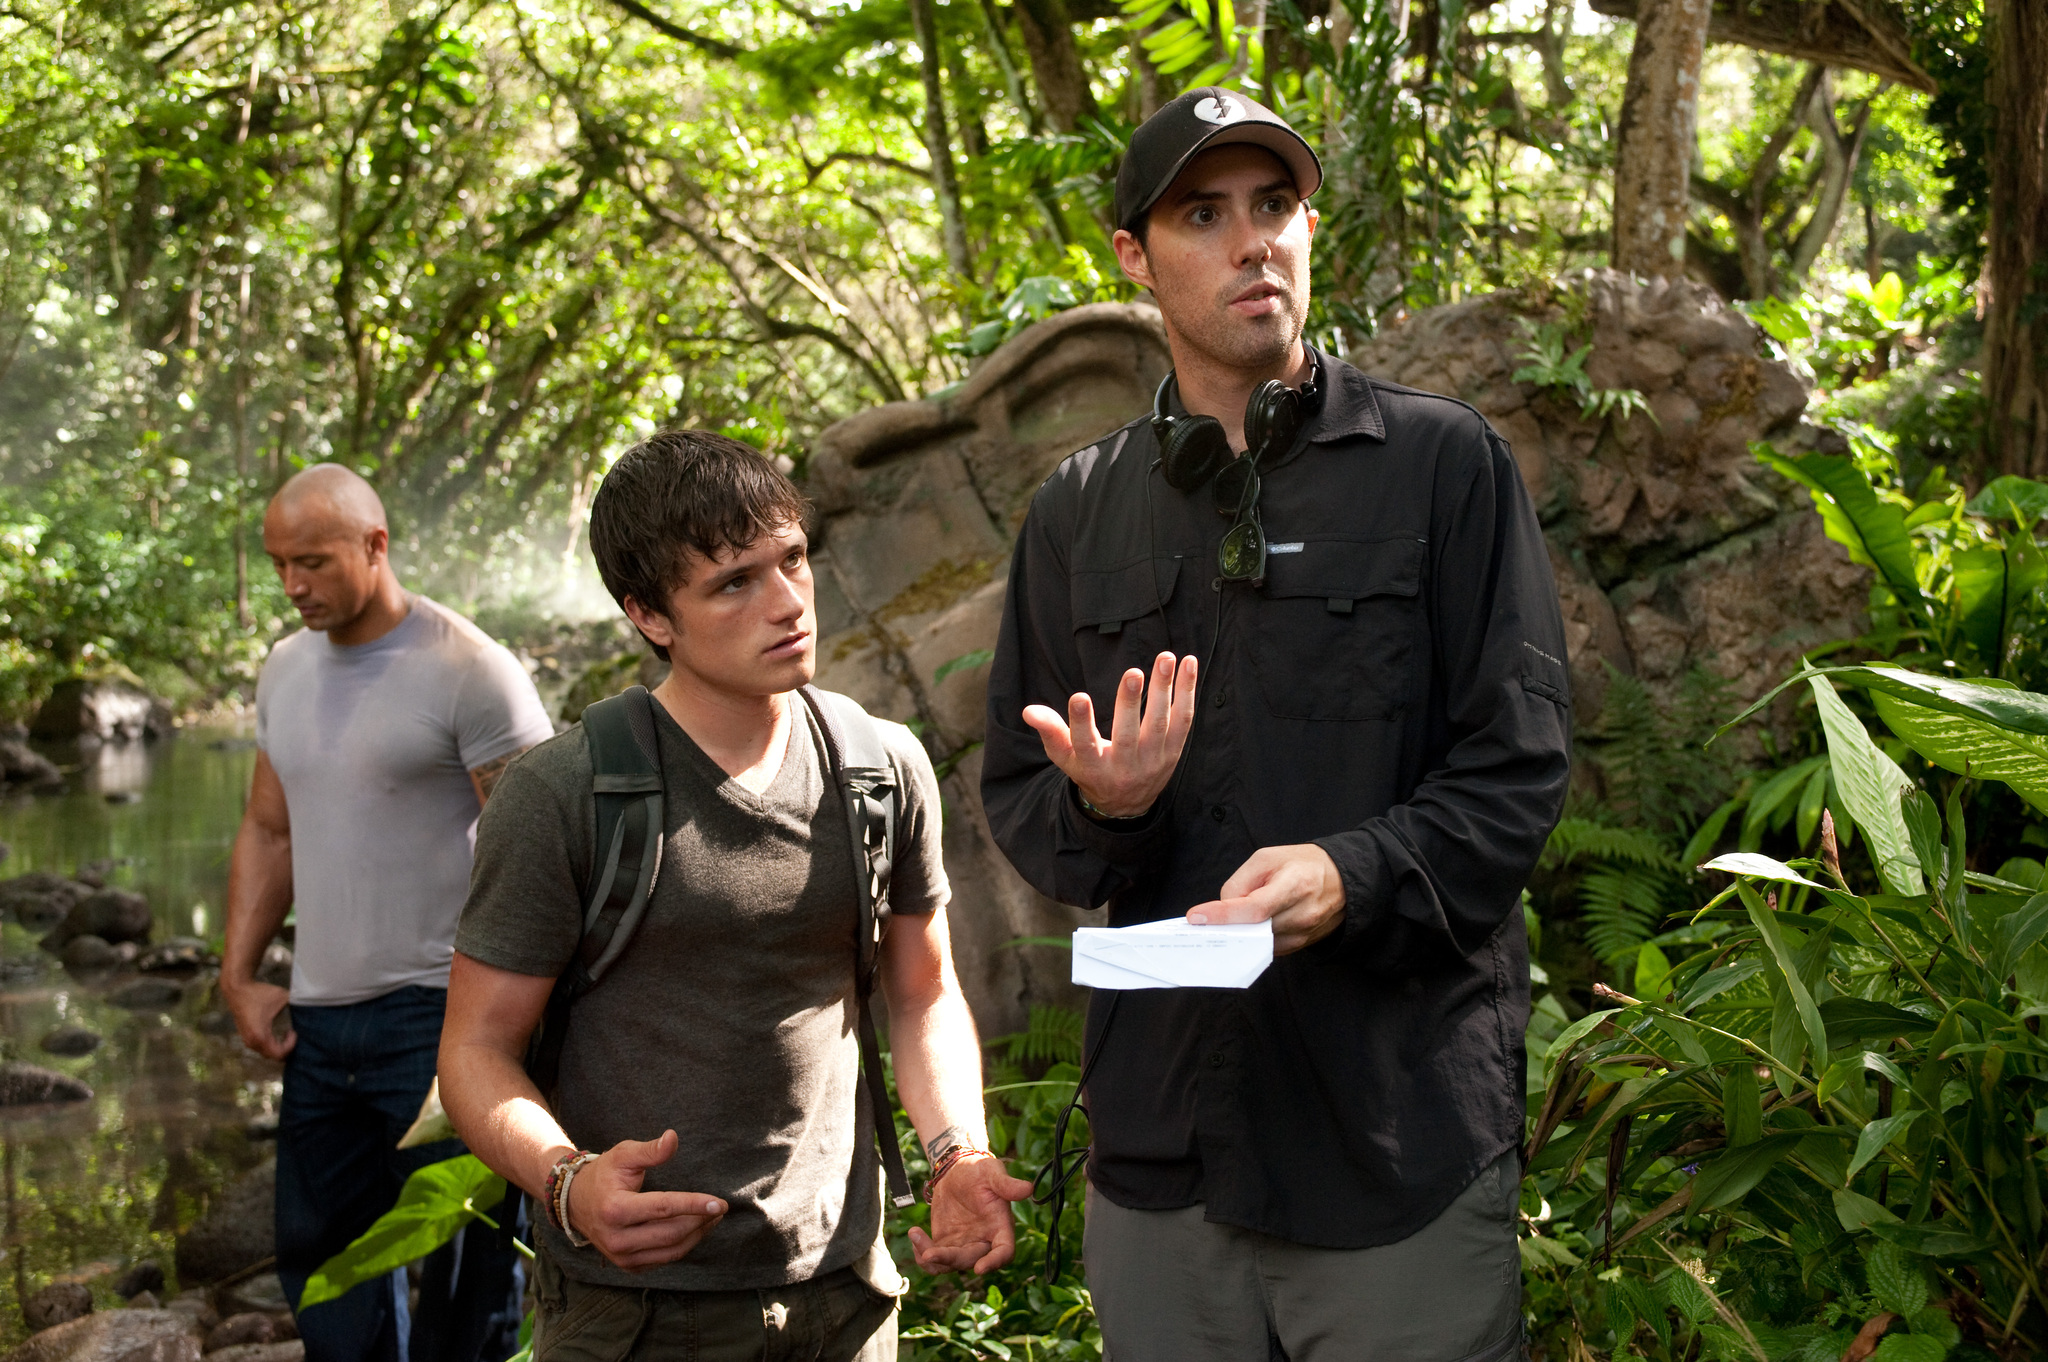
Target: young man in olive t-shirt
x,y
732,1210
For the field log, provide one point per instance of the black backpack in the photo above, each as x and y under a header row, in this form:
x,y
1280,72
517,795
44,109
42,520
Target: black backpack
x,y
626,779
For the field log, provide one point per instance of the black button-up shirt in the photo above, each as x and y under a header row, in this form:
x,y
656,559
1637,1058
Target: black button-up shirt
x,y
1396,692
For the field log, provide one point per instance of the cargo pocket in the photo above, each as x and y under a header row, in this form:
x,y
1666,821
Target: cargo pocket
x,y
1119,620
1337,625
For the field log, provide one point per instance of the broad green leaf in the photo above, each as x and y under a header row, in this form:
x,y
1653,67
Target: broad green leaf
x,y
436,1203
1730,1177
1992,585
1872,529
1839,1075
1896,1279
1854,1021
2016,933
1759,866
1932,1321
1683,1292
1742,1113
1870,784
1652,970
1936,1239
1859,1212
1886,295
1687,1036
1809,1016
1572,1035
2001,496
1811,800
1878,1136
1971,747
1910,1348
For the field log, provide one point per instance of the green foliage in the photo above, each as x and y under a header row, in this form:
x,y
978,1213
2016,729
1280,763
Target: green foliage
x,y
437,1202
1548,366
1829,1110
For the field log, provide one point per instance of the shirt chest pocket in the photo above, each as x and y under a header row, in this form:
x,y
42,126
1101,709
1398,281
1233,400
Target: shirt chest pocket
x,y
1337,626
1120,621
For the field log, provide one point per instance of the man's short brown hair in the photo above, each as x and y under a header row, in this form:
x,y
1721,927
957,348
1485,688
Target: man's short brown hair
x,y
682,492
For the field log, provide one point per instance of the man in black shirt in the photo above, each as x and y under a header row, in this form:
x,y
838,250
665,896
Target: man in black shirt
x,y
1323,1164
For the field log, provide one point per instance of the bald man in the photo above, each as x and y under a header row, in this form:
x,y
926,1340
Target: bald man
x,y
381,728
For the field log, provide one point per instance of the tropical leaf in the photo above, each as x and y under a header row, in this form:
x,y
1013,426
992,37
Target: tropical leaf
x,y
438,1201
1870,784
1872,529
1971,746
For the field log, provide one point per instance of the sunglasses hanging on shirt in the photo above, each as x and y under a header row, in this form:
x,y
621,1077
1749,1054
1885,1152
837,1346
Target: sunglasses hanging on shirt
x,y
1193,451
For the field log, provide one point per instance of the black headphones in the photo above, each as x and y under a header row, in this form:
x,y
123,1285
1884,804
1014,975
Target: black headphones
x,y
1193,449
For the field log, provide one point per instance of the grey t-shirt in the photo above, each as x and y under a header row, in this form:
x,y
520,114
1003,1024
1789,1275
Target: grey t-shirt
x,y
374,745
730,1018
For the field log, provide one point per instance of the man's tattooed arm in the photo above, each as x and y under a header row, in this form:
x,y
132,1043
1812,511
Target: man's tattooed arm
x,y
936,1147
485,777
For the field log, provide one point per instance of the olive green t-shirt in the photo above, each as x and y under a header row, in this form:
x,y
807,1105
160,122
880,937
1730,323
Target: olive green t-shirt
x,y
731,1016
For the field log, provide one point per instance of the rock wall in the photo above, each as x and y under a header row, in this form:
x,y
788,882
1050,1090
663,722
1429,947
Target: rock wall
x,y
1673,547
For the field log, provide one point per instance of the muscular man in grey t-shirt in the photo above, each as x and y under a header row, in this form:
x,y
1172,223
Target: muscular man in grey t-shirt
x,y
381,728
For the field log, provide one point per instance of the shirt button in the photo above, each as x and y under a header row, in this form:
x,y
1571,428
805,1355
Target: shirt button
x,y
1218,814
1216,1059
1222,698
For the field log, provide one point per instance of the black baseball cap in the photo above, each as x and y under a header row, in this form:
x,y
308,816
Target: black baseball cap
x,y
1207,117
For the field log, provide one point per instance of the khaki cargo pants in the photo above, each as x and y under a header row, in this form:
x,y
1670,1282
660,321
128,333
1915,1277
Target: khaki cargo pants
x,y
833,1318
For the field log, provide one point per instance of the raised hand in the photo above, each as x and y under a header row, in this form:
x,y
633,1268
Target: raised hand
x,y
1123,776
972,1229
632,1228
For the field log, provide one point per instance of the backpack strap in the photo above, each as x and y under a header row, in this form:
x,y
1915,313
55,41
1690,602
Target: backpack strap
x,y
867,783
625,762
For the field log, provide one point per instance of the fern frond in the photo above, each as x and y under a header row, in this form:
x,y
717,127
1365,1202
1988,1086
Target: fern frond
x,y
1052,1035
1583,839
1620,908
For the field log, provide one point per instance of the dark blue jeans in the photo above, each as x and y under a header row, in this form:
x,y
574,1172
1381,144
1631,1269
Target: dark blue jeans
x,y
352,1086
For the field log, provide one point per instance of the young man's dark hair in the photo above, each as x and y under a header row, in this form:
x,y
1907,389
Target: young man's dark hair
x,y
683,490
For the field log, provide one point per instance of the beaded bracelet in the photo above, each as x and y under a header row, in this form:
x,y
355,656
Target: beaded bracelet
x,y
945,1165
568,1180
553,1198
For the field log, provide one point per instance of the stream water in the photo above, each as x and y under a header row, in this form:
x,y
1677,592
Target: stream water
x,y
177,1109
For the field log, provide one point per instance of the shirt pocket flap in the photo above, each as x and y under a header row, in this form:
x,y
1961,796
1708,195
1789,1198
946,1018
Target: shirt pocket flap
x,y
1106,599
1343,570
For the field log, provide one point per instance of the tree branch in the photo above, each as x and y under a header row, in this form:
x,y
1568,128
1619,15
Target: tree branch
x,y
1867,35
717,47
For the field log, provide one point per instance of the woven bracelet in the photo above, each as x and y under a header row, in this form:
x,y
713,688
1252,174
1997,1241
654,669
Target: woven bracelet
x,y
945,1166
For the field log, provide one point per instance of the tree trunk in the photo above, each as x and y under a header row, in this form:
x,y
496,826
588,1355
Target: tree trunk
x,y
1659,116
2016,263
938,141
1839,153
1048,35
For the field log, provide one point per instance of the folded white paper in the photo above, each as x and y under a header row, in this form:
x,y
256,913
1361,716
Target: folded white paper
x,y
1172,953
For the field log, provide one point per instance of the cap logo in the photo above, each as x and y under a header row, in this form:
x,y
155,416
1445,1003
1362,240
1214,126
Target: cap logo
x,y
1218,109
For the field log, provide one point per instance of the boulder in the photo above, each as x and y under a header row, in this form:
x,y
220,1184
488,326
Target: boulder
x,y
40,900
262,1294
115,1336
72,1042
30,1085
89,952
182,956
237,1231
24,768
108,708
251,1326
144,1300
290,1350
196,1303
147,1275
1673,548
113,915
147,995
58,1303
